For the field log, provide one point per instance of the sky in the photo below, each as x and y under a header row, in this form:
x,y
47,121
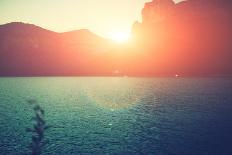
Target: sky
x,y
102,17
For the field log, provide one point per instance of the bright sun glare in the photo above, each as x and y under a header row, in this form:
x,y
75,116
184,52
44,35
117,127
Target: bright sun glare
x,y
120,37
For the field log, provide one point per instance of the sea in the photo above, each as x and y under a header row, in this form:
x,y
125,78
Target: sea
x,y
118,115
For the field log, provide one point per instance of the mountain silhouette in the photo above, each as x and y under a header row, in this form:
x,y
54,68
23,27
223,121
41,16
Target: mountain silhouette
x,y
29,50
190,38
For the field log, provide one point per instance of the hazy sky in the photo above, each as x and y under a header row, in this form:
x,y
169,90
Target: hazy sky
x,y
100,16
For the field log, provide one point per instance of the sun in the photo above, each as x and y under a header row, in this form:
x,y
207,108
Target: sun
x,y
120,37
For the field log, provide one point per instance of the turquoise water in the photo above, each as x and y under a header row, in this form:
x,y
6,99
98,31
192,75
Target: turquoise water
x,y
119,116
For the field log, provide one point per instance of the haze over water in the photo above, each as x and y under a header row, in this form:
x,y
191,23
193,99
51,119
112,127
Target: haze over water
x,y
113,115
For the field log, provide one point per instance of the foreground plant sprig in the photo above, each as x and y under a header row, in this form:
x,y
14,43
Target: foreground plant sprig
x,y
38,129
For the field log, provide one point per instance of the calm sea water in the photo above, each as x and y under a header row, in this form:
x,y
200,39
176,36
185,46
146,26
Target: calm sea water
x,y
120,116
